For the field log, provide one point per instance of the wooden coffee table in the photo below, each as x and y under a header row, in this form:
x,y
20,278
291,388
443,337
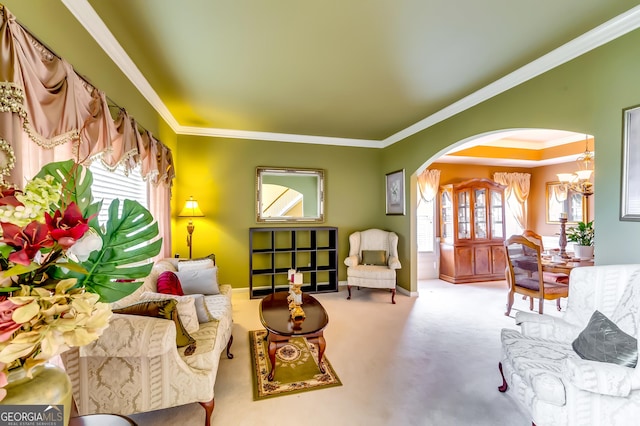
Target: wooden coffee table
x,y
275,317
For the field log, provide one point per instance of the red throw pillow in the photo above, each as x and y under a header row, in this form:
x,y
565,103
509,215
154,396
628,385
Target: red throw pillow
x,y
168,283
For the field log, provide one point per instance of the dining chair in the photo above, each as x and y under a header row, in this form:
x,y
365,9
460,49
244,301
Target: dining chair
x,y
558,277
525,276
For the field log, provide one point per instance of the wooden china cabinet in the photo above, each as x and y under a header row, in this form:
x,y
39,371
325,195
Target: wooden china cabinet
x,y
472,231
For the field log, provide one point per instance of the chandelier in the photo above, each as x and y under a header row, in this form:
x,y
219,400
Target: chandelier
x,y
579,181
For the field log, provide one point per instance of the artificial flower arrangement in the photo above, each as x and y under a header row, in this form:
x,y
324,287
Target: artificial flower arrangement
x,y
59,268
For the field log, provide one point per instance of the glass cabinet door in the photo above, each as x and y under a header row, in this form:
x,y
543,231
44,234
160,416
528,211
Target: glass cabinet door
x,y
480,213
446,216
497,227
464,215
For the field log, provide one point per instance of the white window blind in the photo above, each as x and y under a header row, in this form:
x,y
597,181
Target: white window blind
x,y
425,225
108,186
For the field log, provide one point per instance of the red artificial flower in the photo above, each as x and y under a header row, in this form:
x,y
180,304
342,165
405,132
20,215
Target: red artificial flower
x,y
8,197
28,240
68,227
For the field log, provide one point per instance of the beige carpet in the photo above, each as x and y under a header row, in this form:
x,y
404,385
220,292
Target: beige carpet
x,y
430,360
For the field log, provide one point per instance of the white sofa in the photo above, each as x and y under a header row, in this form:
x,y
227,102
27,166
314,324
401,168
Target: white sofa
x,y
135,365
544,374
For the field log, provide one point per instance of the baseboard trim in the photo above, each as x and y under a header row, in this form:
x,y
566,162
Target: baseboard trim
x,y
406,292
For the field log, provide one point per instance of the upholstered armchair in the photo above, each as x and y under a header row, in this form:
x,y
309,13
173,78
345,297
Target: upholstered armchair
x,y
373,260
581,368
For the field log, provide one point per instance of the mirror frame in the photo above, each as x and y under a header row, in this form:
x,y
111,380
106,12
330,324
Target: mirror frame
x,y
261,171
566,209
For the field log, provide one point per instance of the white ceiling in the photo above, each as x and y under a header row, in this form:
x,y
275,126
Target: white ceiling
x,y
343,72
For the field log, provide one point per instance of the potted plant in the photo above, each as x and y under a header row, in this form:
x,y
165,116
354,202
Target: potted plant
x,y
582,235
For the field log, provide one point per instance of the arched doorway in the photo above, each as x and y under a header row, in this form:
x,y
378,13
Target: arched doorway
x,y
543,153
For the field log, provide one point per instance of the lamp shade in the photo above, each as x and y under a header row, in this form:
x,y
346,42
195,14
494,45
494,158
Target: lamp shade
x,y
565,177
191,209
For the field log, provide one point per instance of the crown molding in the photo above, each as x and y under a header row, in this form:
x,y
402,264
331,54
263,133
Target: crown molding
x,y
602,34
87,16
278,137
610,30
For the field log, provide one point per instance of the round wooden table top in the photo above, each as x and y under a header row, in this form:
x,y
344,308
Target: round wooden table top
x,y
101,420
275,315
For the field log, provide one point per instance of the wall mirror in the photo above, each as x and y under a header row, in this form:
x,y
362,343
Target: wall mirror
x,y
289,195
561,199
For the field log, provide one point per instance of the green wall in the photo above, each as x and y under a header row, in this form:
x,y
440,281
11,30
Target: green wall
x,y
586,95
220,174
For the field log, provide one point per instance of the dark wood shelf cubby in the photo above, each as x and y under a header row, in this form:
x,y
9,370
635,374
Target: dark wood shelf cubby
x,y
313,251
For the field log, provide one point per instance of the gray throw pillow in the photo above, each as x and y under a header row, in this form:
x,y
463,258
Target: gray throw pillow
x,y
603,341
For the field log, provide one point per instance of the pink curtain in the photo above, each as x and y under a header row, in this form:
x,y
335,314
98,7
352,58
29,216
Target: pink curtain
x,y
49,113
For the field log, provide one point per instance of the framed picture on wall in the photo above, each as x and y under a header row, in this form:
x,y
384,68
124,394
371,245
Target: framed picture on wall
x,y
630,199
395,192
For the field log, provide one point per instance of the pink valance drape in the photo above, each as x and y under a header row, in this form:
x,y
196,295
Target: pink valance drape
x,y
43,97
518,185
49,113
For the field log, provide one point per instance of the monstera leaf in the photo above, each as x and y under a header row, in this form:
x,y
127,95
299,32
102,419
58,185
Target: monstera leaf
x,y
129,238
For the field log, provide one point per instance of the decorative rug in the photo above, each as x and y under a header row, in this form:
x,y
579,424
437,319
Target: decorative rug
x,y
296,368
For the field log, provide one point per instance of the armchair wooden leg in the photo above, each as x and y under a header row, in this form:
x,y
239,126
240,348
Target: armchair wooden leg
x,y
393,296
531,303
229,343
504,386
558,304
349,289
208,409
540,306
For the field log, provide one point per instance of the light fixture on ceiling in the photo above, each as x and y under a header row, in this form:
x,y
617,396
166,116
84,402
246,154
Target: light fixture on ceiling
x,y
580,180
190,210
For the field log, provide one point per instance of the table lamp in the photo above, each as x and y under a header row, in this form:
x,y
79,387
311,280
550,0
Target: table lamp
x,y
190,210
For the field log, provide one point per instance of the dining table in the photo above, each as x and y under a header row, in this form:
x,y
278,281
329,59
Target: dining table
x,y
565,266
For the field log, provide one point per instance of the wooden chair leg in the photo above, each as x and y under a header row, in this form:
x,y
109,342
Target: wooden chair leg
x,y
558,303
208,409
229,343
349,289
510,297
393,296
531,303
540,305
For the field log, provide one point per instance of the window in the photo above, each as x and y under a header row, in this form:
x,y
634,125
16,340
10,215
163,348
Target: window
x,y
512,226
108,185
424,218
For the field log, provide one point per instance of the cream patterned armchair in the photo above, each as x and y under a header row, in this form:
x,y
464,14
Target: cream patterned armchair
x,y
541,367
136,366
373,260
